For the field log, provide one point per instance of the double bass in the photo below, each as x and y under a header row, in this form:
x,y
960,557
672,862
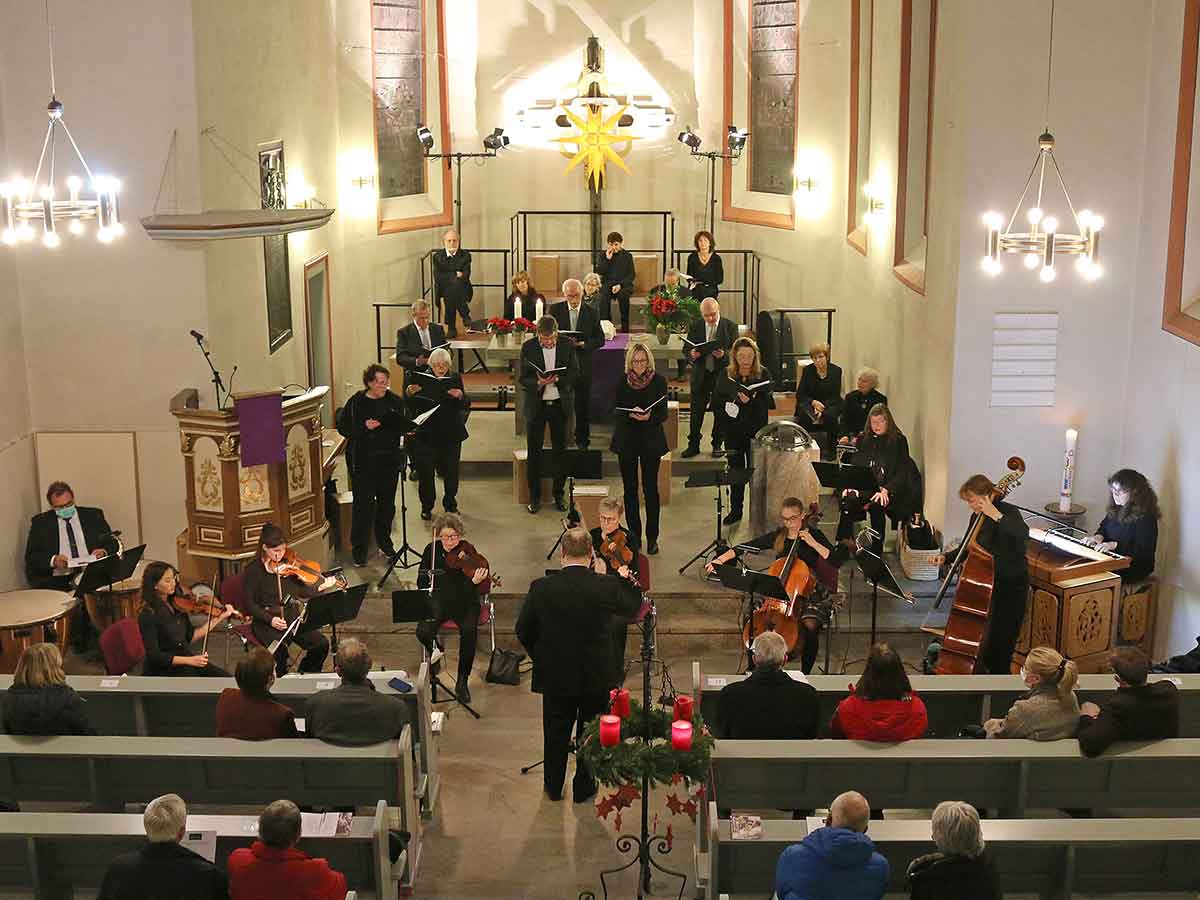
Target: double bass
x,y
971,610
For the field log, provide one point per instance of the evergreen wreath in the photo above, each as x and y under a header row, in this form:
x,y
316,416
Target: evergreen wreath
x,y
634,757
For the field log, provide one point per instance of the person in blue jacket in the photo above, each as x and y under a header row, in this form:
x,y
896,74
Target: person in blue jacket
x,y
837,862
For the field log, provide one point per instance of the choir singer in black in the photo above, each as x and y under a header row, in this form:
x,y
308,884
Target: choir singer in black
x,y
416,339
549,371
436,445
580,323
883,449
452,281
564,626
715,336
639,439
819,397
615,268
742,402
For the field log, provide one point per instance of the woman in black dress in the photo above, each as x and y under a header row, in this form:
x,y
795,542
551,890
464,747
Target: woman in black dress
x,y
741,401
704,268
437,443
167,632
883,449
639,439
819,397
1130,524
523,290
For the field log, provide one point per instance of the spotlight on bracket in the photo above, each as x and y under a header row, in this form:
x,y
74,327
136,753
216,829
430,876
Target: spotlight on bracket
x,y
497,140
690,139
425,136
736,139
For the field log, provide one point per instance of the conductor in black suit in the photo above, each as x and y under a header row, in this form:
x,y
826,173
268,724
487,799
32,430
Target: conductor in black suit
x,y
575,315
769,705
615,268
417,338
452,281
64,532
707,369
546,401
564,626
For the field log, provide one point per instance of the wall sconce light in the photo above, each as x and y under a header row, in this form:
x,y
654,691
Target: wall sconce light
x,y
362,182
809,184
874,216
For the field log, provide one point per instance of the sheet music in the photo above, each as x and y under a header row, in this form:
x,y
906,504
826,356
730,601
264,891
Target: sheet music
x,y
425,416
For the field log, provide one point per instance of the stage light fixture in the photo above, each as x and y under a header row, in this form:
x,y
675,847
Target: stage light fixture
x,y
690,139
425,136
736,139
497,140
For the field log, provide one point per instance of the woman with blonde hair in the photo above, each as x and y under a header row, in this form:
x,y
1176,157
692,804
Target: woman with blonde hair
x,y
40,701
1050,711
742,401
639,439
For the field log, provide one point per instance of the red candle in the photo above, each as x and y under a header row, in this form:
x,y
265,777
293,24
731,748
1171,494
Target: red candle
x,y
681,735
618,702
683,708
610,731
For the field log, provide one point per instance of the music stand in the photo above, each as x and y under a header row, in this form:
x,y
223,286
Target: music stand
x,y
108,570
876,571
417,606
717,478
572,464
334,607
845,476
400,557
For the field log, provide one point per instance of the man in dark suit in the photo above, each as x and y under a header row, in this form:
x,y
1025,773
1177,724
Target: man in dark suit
x,y
576,316
706,371
354,714
452,281
564,626
417,338
769,705
547,399
62,533
1136,712
616,271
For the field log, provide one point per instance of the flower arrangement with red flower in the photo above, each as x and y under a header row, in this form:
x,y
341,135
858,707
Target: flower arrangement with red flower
x,y
668,308
522,324
500,325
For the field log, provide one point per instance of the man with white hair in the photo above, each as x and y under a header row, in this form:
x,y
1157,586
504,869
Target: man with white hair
x,y
162,868
452,281
769,704
837,862
581,323
717,335
961,867
860,400
418,338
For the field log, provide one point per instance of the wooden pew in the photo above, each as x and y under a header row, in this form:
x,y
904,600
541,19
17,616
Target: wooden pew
x,y
186,707
51,854
109,772
955,700
1051,857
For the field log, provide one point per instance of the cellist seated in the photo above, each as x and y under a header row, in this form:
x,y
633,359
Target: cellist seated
x,y
798,536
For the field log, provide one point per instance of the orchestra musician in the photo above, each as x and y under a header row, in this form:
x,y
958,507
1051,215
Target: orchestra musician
x,y
706,371
1130,524
704,267
609,542
640,440
417,338
62,533
883,449
819,396
167,631
452,282
615,268
798,533
437,443
742,400
574,315
455,597
267,583
860,401
523,290
547,399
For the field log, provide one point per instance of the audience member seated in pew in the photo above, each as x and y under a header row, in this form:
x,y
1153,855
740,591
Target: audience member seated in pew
x,y
768,705
248,711
882,706
961,868
1136,712
1050,710
837,862
273,869
354,714
40,701
162,868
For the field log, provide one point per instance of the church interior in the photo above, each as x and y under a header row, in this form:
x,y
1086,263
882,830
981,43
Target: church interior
x,y
231,215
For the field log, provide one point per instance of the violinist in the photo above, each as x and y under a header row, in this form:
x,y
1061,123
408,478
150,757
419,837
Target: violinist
x,y
883,449
798,533
446,560
437,443
167,631
742,402
614,551
268,582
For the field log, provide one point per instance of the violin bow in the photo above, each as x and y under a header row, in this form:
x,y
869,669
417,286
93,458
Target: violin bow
x,y
208,631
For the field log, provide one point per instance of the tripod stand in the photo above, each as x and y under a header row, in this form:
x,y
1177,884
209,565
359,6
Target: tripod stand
x,y
573,518
718,479
400,557
875,570
218,384
574,464
418,606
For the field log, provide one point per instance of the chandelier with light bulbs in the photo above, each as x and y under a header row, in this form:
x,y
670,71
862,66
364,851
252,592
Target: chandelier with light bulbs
x,y
1043,241
28,206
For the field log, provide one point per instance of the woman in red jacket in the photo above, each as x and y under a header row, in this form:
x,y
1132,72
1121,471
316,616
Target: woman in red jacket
x,y
273,869
882,707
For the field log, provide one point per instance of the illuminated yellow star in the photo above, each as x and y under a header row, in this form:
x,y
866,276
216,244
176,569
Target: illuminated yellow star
x,y
593,143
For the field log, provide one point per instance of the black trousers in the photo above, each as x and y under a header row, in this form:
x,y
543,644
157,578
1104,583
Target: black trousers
x,y
374,483
560,716
622,299
551,413
583,407
468,629
315,646
738,451
701,395
442,459
1005,617
648,463
878,518
456,307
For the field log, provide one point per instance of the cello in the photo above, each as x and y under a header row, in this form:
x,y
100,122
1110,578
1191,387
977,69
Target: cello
x,y
971,609
775,615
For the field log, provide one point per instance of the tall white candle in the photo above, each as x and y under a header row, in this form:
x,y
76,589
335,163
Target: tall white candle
x,y
517,309
1068,477
538,308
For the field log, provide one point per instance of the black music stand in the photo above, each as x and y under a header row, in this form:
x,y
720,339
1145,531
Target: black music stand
x,y
108,570
717,478
755,584
876,571
417,606
572,464
334,607
845,476
400,557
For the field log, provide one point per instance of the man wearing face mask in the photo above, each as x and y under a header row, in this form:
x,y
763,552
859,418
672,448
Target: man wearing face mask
x,y
63,533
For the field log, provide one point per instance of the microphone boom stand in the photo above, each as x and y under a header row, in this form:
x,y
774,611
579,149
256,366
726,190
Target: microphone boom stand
x,y
218,384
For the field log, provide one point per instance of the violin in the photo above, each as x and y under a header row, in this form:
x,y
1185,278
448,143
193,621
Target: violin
x,y
615,550
466,559
306,571
211,607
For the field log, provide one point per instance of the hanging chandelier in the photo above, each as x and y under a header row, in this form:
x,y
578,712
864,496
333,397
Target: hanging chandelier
x,y
31,205
1044,241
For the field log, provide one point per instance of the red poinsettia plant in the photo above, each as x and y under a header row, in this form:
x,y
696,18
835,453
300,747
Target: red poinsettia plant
x,y
520,323
668,308
500,325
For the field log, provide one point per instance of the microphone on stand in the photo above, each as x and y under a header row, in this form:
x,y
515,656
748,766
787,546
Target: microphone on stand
x,y
197,335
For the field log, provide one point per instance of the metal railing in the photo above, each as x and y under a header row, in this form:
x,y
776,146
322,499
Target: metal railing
x,y
788,357
519,232
751,277
380,346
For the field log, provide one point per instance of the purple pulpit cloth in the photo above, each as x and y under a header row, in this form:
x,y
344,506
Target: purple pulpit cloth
x,y
261,422
608,368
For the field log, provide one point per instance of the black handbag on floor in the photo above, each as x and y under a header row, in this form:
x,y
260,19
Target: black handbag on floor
x,y
505,667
